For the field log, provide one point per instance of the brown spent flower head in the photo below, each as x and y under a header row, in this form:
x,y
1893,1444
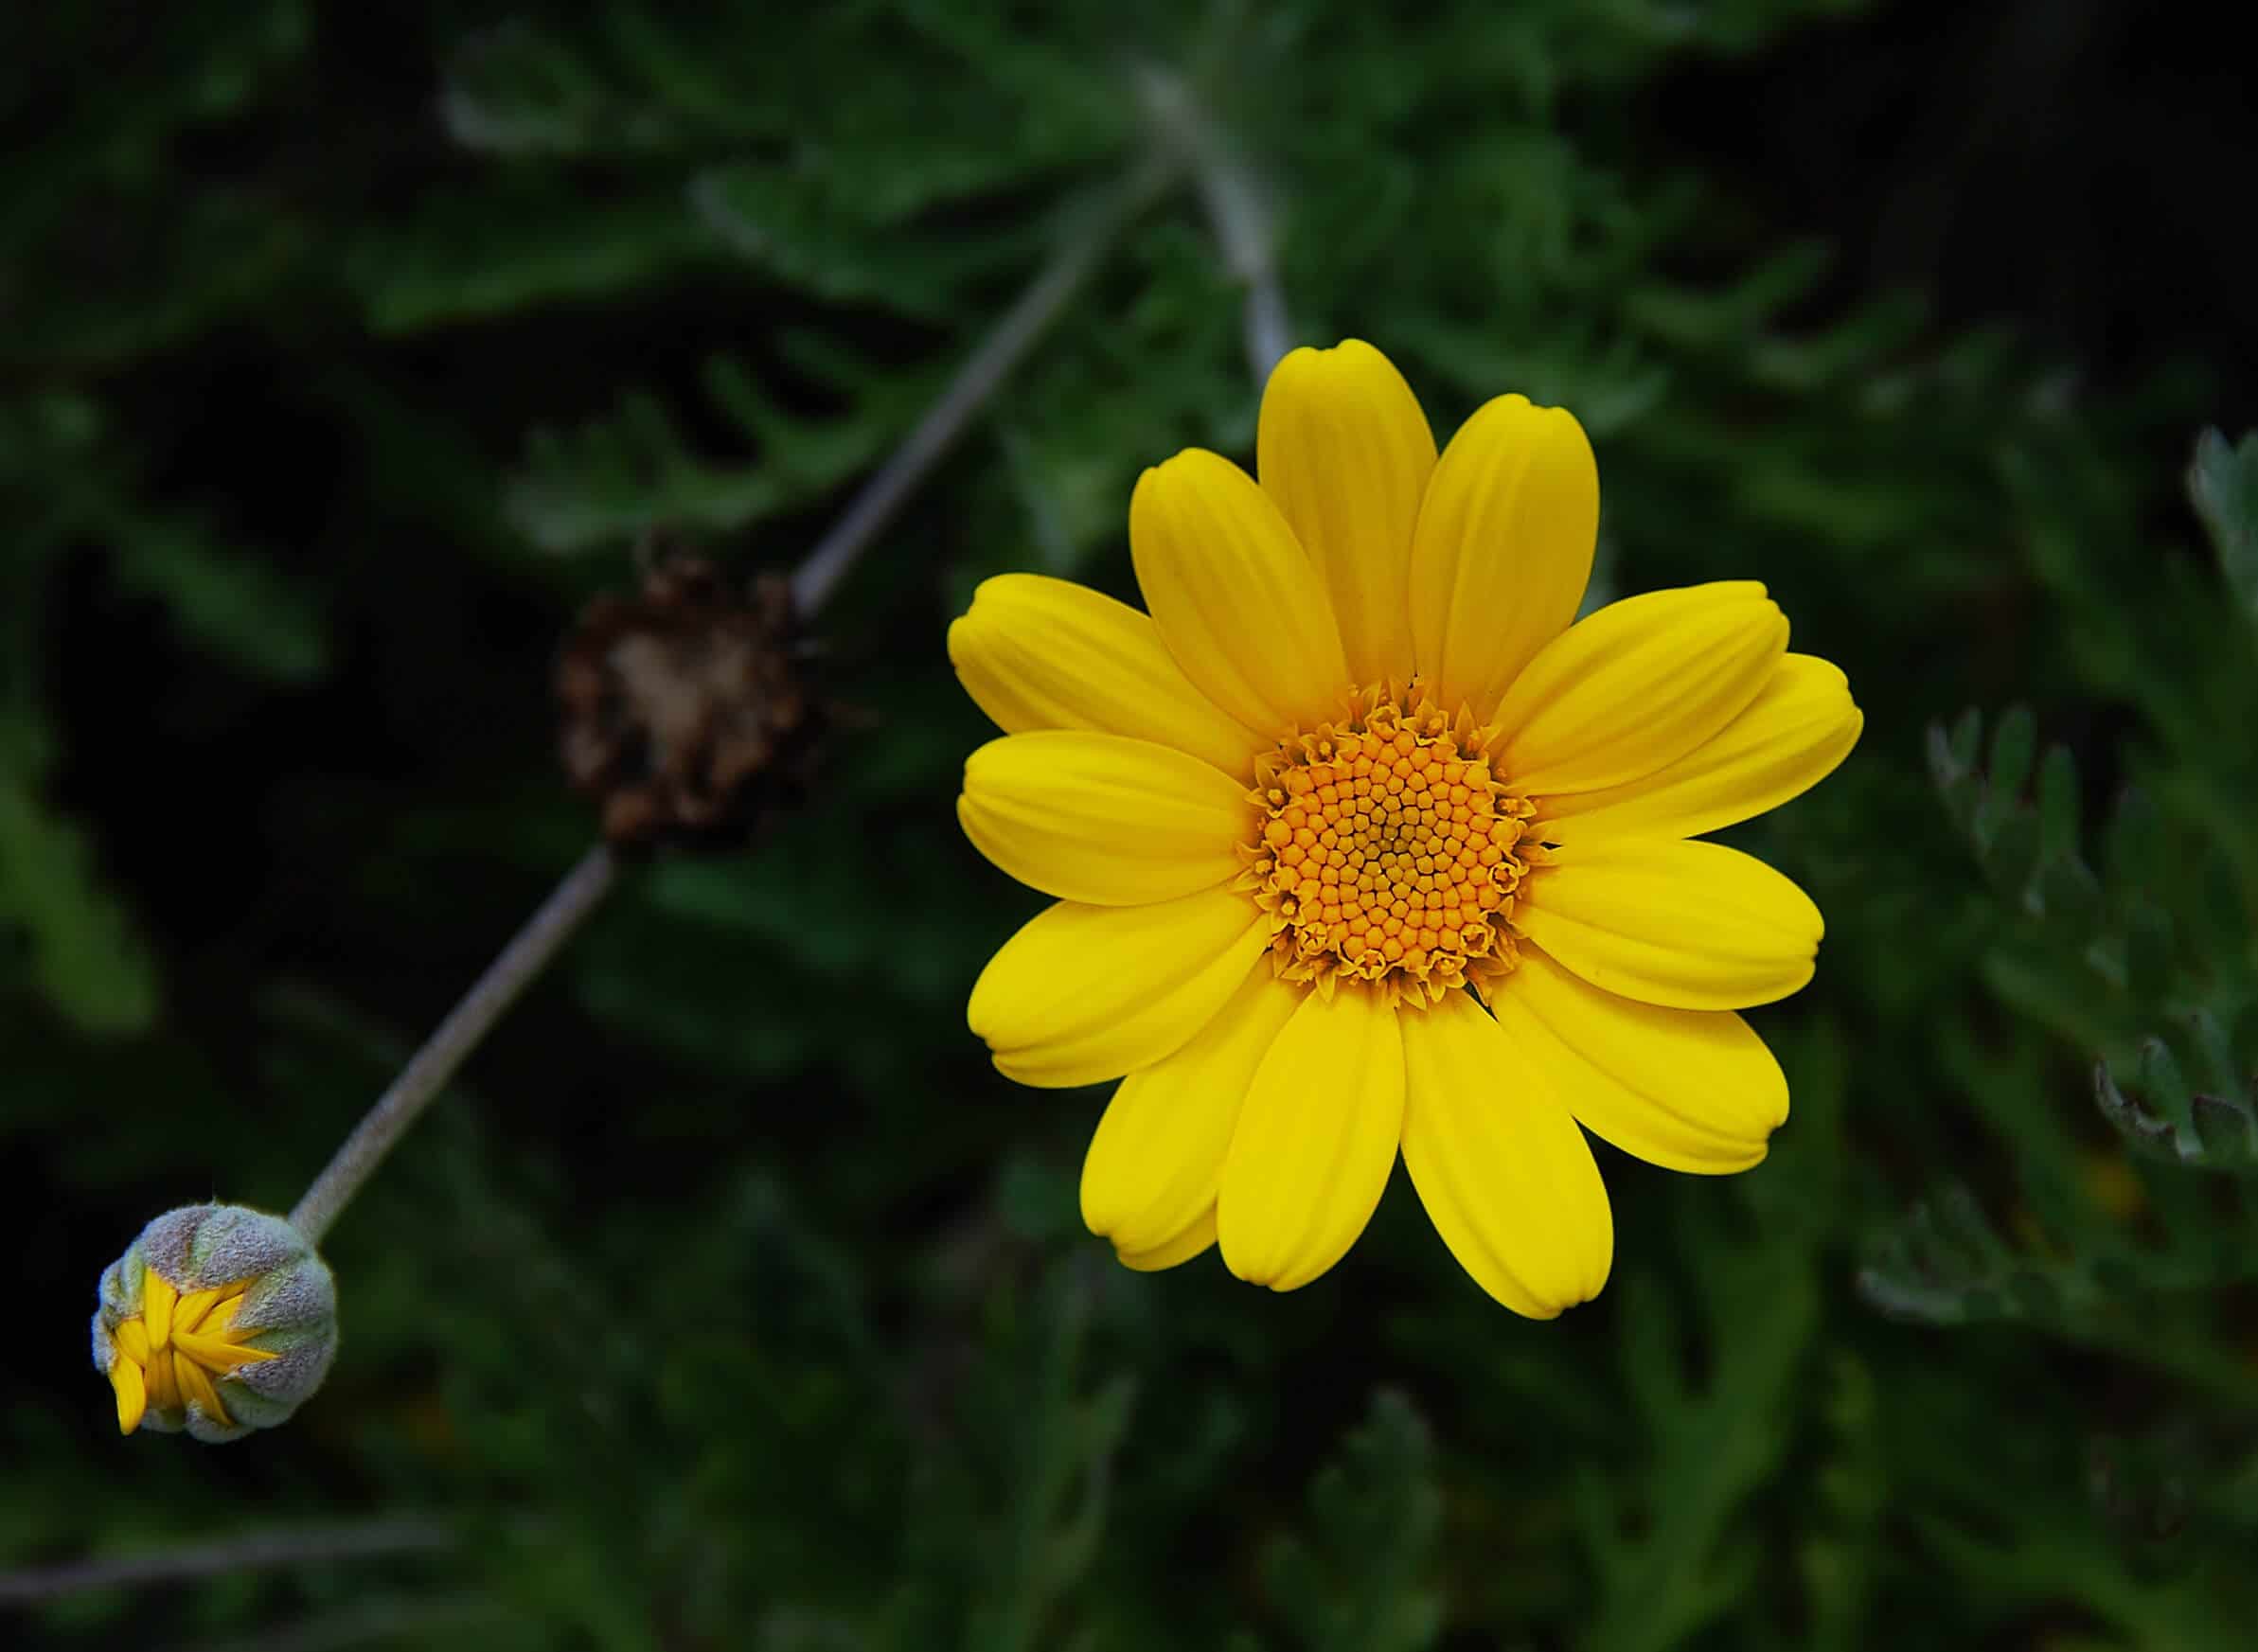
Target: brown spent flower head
x,y
683,711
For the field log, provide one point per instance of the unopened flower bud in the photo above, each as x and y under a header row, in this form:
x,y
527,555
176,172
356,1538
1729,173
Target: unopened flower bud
x,y
217,1319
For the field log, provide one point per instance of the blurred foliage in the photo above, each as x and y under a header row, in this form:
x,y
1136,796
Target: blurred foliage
x,y
2137,954
735,1302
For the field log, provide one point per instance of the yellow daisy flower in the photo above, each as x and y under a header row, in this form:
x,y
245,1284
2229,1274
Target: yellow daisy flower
x,y
1360,844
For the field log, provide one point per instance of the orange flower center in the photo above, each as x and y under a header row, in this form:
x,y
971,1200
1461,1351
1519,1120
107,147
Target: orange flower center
x,y
1387,851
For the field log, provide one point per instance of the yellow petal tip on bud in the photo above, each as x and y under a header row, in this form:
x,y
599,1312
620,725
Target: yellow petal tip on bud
x,y
216,1321
133,1394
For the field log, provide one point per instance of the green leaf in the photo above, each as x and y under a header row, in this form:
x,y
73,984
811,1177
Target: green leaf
x,y
2131,839
2152,1136
1835,1551
2223,484
1964,1231
2229,1131
1968,733
515,91
2163,1086
2057,806
80,947
2014,853
2242,1045
2148,946
1360,1580
1669,1546
2217,1068
1952,767
233,603
513,249
600,485
770,217
2067,890
2166,1123
2013,744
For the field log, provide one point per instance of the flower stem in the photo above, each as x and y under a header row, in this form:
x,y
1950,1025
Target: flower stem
x,y
428,1070
1242,224
1239,212
250,1552
984,371
1093,231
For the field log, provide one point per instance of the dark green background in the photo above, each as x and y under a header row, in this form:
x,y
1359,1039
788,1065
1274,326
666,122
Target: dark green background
x,y
732,1300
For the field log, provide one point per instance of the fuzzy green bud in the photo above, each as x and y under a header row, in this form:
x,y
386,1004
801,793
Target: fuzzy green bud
x,y
217,1320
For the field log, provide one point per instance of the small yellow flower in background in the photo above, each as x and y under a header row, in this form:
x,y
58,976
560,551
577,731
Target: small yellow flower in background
x,y
1360,844
218,1321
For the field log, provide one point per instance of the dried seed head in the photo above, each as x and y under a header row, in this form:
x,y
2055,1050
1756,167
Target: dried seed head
x,y
217,1320
683,711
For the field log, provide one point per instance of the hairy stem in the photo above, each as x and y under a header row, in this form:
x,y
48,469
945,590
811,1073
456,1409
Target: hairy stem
x,y
251,1551
1085,242
428,1070
1239,213
1091,233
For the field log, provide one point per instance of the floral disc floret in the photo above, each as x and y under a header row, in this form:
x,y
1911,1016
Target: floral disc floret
x,y
1387,850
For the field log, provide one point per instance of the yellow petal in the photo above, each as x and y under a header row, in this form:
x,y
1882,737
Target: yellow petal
x,y
1238,602
1503,1172
220,1326
1315,1141
197,1390
1686,1089
188,1312
157,1300
1800,726
134,1337
1504,547
1041,653
1690,926
1102,818
1637,686
1192,1242
215,1353
1346,453
1154,1165
133,1394
164,1393
1086,993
